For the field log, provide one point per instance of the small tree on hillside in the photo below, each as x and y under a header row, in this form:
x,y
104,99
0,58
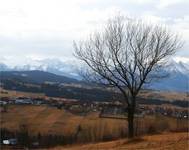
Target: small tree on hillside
x,y
127,54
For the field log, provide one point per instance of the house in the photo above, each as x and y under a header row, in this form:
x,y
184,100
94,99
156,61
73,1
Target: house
x,y
10,142
3,103
23,101
38,101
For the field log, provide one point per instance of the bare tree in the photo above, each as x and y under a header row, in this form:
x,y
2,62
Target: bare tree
x,y
127,54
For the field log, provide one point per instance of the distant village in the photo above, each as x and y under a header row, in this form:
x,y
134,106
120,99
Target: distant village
x,y
107,109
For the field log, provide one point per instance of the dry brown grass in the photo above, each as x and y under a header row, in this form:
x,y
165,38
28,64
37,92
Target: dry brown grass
x,y
13,94
46,120
166,141
167,95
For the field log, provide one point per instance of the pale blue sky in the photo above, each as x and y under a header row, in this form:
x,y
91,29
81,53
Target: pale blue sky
x,y
38,29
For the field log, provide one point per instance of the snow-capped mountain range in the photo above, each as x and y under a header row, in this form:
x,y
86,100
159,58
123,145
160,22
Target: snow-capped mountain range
x,y
178,71
177,80
55,66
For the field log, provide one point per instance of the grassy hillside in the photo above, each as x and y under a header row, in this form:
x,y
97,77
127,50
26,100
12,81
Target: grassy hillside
x,y
77,129
13,94
49,84
166,141
164,95
35,76
145,97
47,120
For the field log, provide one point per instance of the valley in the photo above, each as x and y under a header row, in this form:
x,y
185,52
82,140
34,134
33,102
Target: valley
x,y
94,75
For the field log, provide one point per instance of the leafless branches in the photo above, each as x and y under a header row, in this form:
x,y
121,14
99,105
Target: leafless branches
x,y
126,52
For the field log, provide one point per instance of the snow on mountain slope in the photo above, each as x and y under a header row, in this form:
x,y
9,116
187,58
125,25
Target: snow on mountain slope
x,y
55,66
3,67
174,66
178,71
178,79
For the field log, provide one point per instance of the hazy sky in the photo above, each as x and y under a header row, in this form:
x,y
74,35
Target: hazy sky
x,y
36,29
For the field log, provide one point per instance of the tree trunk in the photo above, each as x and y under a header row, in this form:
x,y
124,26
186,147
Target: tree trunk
x,y
130,122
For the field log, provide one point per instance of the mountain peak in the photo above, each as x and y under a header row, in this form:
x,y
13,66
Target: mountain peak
x,y
174,66
178,71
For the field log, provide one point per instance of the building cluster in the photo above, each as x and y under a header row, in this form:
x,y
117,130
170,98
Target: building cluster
x,y
74,106
166,111
106,109
22,101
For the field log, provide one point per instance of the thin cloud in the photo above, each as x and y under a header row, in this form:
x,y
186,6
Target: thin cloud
x,y
48,27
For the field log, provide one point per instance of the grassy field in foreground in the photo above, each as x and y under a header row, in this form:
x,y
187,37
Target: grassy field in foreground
x,y
52,121
47,120
166,141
